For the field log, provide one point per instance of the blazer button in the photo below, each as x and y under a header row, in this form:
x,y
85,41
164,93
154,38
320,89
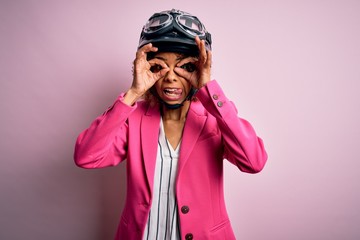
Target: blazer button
x,y
215,97
220,104
189,236
185,209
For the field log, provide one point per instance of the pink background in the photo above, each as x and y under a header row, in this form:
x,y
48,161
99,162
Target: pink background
x,y
291,67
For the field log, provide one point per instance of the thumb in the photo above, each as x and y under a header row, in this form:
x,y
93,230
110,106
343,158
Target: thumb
x,y
161,73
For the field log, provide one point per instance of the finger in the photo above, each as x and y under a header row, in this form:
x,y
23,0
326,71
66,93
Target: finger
x,y
189,76
161,73
187,60
160,66
197,41
202,49
203,54
208,62
157,61
148,48
182,72
145,49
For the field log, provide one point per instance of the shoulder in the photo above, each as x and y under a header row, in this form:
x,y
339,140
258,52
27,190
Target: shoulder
x,y
198,108
144,107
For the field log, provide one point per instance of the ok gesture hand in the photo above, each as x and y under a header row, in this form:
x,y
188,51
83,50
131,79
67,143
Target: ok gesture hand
x,y
144,78
202,74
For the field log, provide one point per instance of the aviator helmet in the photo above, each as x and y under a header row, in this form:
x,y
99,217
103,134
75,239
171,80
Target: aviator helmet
x,y
174,31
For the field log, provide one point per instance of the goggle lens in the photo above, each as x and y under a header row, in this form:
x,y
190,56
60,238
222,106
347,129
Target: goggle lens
x,y
187,23
190,23
158,22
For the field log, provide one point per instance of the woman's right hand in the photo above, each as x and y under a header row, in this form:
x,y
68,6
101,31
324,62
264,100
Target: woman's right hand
x,y
144,78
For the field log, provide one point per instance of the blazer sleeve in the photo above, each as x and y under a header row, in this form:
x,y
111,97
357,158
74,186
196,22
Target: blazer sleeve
x,y
242,146
104,143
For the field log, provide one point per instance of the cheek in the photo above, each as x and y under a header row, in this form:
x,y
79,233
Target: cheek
x,y
187,86
157,86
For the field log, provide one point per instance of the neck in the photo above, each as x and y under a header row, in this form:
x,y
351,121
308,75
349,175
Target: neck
x,y
175,114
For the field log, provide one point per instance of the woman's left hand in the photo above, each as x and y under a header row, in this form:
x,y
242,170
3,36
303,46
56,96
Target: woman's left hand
x,y
201,75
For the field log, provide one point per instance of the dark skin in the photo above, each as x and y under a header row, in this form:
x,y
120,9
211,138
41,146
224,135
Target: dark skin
x,y
173,75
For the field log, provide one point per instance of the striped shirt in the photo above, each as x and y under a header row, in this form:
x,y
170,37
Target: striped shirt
x,y
163,217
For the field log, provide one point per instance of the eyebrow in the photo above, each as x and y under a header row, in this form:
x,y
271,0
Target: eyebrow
x,y
161,58
181,57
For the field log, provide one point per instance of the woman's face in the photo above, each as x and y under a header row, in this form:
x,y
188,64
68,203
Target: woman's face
x,y
172,88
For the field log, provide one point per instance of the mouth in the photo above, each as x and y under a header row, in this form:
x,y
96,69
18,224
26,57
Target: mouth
x,y
172,93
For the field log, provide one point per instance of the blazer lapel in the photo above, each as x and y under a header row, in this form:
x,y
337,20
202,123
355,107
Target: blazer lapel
x,y
194,124
150,124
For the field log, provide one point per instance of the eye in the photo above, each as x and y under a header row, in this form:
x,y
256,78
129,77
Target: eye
x,y
190,67
156,68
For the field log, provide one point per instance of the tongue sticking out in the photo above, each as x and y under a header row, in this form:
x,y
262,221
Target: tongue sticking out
x,y
172,91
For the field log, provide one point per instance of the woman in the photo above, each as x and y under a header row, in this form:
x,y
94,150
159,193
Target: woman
x,y
175,139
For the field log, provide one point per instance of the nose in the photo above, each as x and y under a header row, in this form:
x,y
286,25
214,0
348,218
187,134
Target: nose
x,y
171,75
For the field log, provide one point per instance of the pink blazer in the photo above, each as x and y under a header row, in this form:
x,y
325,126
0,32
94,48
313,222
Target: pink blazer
x,y
212,133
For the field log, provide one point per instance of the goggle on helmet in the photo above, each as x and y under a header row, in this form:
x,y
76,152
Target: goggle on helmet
x,y
174,30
